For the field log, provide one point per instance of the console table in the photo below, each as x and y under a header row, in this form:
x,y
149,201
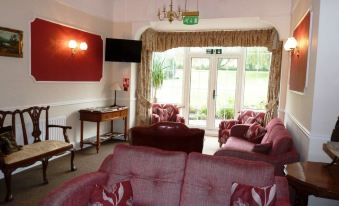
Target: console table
x,y
313,178
98,115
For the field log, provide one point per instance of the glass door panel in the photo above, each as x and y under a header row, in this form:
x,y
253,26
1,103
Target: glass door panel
x,y
225,89
199,87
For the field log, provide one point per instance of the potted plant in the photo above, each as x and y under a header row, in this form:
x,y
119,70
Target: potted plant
x,y
158,75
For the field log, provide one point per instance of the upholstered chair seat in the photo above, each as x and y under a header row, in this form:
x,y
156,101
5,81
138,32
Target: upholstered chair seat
x,y
245,117
166,112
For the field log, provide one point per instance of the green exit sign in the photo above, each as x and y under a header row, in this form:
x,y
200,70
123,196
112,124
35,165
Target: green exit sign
x,y
190,20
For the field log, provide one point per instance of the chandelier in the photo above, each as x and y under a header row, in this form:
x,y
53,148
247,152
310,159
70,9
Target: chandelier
x,y
170,14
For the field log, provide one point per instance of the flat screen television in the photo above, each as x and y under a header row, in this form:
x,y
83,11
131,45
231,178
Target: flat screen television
x,y
123,50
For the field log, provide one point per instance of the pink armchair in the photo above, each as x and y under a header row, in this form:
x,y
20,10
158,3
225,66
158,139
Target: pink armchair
x,y
245,117
166,112
275,148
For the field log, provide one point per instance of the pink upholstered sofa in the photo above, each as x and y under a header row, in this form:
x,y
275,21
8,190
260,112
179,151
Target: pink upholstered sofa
x,y
280,152
170,178
166,112
245,117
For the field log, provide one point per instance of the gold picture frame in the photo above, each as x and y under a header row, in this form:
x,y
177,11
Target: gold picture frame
x,y
10,42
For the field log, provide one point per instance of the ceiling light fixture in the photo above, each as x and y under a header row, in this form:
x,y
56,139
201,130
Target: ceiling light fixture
x,y
170,14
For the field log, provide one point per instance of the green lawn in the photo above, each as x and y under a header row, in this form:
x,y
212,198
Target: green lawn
x,y
254,96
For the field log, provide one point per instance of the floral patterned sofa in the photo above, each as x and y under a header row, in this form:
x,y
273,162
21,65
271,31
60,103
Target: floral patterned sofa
x,y
166,112
245,117
170,178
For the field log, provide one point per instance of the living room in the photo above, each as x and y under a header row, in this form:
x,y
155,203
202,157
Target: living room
x,y
309,116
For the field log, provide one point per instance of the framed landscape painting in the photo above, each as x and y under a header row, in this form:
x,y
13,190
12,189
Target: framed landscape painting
x,y
10,42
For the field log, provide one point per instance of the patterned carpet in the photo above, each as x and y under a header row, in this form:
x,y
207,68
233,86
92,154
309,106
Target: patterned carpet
x,y
27,186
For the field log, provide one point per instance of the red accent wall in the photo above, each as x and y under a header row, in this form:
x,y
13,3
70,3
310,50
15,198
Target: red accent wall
x,y
52,59
299,59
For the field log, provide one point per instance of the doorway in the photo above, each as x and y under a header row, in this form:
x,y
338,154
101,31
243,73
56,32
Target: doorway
x,y
212,90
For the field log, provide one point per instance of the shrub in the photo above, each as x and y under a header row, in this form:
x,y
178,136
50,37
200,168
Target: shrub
x,y
225,113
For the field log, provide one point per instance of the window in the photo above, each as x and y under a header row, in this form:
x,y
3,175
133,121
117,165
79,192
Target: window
x,y
212,83
257,67
171,63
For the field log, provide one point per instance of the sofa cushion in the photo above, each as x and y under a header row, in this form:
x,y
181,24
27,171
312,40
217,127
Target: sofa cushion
x,y
156,175
252,196
163,114
208,182
121,195
8,144
255,133
274,126
279,136
239,144
262,148
32,151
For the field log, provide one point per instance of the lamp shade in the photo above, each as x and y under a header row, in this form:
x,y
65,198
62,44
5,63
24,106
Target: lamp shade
x,y
290,44
115,86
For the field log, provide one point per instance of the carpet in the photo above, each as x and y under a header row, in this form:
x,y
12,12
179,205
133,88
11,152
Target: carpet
x,y
27,187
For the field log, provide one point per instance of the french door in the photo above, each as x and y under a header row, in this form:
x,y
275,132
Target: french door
x,y
212,82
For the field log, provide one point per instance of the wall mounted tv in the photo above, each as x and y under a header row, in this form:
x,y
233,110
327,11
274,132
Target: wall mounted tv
x,y
123,50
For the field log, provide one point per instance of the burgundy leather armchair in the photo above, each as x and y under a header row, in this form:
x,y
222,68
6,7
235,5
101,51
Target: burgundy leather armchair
x,y
245,117
166,112
168,136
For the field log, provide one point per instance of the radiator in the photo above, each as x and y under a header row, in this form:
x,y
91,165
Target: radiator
x,y
54,133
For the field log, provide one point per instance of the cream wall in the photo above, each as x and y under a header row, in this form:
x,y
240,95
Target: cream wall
x,y
311,116
142,14
18,89
315,111
132,17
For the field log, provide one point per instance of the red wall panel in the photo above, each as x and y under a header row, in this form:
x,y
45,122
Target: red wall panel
x,y
299,58
52,59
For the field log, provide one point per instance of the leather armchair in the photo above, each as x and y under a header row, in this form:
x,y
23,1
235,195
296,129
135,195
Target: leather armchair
x,y
168,136
245,117
166,112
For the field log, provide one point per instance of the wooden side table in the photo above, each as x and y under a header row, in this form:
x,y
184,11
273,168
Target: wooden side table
x,y
98,115
313,178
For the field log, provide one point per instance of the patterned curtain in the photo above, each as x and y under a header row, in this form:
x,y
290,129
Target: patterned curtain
x,y
155,41
274,84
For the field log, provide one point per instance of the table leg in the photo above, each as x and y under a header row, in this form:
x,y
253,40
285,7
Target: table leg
x,y
125,130
112,127
301,198
81,134
98,137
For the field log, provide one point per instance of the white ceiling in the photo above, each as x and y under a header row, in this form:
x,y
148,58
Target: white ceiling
x,y
214,14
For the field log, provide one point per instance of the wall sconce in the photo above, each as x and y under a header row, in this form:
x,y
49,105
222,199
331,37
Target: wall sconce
x,y
291,45
73,45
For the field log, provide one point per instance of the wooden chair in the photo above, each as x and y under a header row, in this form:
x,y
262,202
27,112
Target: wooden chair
x,y
39,150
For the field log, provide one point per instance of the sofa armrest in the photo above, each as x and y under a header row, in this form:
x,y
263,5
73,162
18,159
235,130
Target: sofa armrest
x,y
75,191
180,119
282,191
227,124
247,155
155,118
239,130
64,130
106,164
